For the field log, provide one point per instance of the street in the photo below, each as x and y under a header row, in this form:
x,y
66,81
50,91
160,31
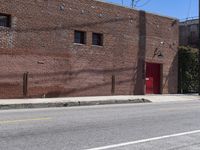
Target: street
x,y
155,126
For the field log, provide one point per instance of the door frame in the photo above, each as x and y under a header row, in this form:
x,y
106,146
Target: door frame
x,y
161,75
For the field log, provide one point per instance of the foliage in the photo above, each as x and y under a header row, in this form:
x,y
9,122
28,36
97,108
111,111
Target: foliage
x,y
188,70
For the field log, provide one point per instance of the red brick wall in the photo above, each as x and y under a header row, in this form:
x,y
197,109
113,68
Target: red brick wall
x,y
41,42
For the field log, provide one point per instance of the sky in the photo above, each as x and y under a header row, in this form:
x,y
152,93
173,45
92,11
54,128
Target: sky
x,y
181,9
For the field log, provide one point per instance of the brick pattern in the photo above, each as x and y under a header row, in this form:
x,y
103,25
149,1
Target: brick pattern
x,y
41,42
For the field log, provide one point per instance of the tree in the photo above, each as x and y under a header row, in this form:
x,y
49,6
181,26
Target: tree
x,y
188,70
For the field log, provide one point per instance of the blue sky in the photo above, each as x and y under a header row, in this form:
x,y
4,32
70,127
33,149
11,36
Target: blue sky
x,y
180,9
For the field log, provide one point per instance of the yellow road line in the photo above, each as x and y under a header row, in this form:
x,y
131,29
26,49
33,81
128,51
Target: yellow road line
x,y
24,120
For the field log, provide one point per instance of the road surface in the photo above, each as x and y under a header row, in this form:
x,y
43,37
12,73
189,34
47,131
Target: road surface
x,y
160,126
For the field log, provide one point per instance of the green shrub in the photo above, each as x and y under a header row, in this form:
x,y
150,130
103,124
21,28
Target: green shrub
x,y
188,70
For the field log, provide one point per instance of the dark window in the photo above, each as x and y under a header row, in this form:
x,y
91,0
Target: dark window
x,y
5,20
80,37
97,39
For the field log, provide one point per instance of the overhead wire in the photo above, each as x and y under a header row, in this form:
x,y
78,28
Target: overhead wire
x,y
189,9
144,4
136,2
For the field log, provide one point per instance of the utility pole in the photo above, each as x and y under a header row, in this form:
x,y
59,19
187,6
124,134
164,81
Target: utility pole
x,y
199,47
132,3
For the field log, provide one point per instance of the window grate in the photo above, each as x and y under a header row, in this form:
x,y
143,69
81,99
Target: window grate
x,y
5,20
80,37
97,39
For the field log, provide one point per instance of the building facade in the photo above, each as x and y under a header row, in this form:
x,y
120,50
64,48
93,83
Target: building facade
x,y
189,33
52,48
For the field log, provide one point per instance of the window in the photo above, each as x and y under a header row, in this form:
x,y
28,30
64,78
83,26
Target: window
x,y
5,20
80,37
194,28
97,39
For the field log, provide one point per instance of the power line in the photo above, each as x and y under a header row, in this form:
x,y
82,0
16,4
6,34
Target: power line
x,y
136,2
144,4
189,9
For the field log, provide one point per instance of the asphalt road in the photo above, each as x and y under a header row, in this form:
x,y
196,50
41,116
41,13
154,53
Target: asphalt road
x,y
160,126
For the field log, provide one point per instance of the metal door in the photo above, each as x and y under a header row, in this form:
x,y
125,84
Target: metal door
x,y
153,78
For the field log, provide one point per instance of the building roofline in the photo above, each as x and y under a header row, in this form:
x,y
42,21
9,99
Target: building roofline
x,y
126,7
192,20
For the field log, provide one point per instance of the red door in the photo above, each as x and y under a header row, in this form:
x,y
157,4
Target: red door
x,y
152,78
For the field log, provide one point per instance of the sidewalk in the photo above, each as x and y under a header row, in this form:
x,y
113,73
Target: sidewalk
x,y
99,100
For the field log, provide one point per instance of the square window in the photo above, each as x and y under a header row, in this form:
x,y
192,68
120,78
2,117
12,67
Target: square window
x,y
80,37
5,20
97,39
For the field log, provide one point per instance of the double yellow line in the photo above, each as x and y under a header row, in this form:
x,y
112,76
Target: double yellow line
x,y
24,120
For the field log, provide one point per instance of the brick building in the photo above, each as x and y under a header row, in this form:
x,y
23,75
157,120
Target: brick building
x,y
189,33
57,48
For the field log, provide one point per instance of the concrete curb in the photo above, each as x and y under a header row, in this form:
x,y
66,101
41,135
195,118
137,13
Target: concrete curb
x,y
70,104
